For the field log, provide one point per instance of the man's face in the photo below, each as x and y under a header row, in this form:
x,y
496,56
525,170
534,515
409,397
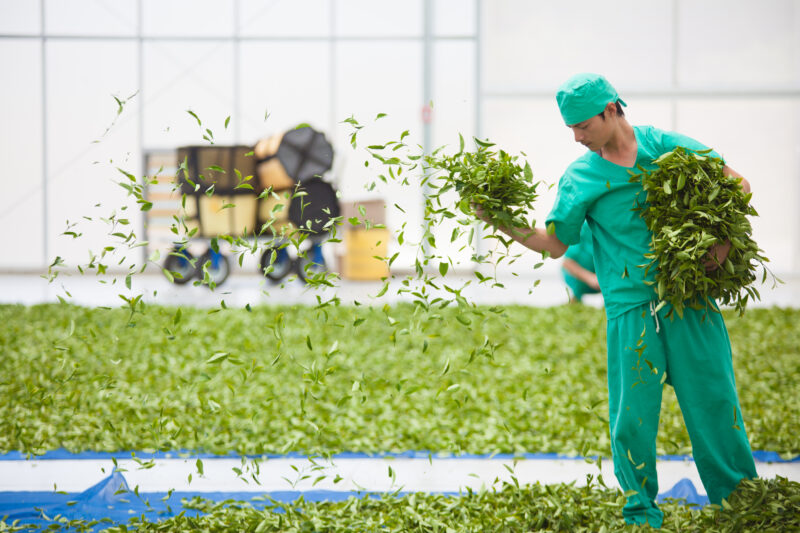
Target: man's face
x,y
593,133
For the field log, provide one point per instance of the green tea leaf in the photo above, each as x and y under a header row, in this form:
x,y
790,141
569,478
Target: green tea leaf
x,y
217,358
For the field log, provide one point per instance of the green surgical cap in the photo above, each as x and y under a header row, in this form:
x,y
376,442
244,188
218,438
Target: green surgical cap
x,y
583,96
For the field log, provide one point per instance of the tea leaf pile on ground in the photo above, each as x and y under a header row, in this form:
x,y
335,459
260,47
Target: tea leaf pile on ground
x,y
273,380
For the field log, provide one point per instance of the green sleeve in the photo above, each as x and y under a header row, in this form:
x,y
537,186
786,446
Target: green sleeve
x,y
568,213
583,252
573,252
669,140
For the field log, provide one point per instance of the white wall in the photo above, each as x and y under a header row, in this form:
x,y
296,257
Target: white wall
x,y
724,71
21,204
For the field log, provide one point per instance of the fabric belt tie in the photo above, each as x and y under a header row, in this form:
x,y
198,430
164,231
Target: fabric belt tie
x,y
654,314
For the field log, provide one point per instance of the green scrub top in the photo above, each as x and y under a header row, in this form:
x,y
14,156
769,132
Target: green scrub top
x,y
599,192
581,253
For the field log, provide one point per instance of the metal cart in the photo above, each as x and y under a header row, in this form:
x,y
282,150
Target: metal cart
x,y
272,193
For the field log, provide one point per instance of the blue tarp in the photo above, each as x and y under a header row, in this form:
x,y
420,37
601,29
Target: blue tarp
x,y
111,501
684,489
761,456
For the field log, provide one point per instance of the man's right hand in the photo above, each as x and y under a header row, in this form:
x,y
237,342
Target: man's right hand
x,y
480,213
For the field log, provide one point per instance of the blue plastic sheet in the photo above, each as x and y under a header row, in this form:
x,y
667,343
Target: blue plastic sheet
x,y
109,501
762,456
112,502
684,489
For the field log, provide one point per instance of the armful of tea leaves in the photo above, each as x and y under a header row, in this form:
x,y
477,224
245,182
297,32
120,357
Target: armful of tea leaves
x,y
697,209
719,252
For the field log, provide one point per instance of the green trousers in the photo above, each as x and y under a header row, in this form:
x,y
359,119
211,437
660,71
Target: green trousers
x,y
693,355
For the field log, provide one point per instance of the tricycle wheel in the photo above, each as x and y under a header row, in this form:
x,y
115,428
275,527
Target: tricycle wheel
x,y
181,266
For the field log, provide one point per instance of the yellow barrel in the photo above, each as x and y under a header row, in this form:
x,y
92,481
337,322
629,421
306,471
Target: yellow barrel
x,y
362,246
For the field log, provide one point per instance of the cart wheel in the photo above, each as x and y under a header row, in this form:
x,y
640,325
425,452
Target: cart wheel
x,y
281,266
311,263
180,265
218,270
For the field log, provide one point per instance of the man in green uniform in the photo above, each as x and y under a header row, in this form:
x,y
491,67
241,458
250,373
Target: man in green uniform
x,y
645,349
578,268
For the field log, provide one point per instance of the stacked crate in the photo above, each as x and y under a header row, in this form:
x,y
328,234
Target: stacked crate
x,y
164,194
219,199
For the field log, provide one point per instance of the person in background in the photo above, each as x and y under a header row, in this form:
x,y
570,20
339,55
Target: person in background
x,y
646,348
578,268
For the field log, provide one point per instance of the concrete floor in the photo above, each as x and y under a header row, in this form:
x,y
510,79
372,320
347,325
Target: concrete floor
x,y
245,288
354,473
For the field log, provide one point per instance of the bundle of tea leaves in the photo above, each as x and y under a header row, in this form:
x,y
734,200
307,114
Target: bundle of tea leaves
x,y
692,206
492,179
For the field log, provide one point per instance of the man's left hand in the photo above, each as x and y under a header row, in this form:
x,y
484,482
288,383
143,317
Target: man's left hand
x,y
717,255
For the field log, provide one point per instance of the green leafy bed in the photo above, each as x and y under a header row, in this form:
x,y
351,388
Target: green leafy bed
x,y
340,378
